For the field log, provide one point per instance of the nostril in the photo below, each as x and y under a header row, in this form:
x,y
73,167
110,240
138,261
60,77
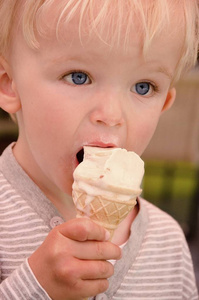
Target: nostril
x,y
80,155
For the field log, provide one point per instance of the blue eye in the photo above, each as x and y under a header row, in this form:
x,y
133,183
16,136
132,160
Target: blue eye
x,y
77,78
143,88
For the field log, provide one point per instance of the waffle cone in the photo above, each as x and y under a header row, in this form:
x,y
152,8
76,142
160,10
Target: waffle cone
x,y
108,213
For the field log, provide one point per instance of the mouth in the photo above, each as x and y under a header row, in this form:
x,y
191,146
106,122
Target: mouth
x,y
80,155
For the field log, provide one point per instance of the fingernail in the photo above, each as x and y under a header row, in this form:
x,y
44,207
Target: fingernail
x,y
107,235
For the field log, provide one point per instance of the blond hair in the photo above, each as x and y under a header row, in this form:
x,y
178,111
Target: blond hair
x,y
109,17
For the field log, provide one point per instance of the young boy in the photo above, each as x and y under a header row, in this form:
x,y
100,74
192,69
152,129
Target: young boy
x,y
96,73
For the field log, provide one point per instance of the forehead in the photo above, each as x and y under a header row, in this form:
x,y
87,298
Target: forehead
x,y
113,23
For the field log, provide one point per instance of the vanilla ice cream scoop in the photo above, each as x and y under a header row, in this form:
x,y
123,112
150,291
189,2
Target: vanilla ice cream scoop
x,y
111,169
106,185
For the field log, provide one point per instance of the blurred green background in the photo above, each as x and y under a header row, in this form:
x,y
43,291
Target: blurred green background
x,y
174,188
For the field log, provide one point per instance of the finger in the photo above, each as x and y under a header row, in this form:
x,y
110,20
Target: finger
x,y
82,229
93,270
88,277
94,250
94,287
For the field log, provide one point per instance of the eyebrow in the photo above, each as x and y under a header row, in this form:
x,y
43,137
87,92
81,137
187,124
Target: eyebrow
x,y
60,59
165,71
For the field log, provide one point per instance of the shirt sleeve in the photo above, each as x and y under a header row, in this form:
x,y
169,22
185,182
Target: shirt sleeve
x,y
23,285
190,291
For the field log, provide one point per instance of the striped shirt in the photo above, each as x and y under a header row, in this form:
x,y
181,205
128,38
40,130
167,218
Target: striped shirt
x,y
156,262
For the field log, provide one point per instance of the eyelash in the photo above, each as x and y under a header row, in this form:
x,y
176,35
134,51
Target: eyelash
x,y
154,86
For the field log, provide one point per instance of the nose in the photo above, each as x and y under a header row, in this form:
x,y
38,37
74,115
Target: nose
x,y
108,110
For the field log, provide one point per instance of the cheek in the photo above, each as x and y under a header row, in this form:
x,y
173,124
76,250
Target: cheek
x,y
142,132
45,114
145,137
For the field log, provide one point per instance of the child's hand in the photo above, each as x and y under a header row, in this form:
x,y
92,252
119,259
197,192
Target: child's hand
x,y
71,262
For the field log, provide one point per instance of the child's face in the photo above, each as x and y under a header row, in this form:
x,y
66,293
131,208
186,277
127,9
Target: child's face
x,y
75,94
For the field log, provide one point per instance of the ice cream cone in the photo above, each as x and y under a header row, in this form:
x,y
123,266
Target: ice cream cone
x,y
107,212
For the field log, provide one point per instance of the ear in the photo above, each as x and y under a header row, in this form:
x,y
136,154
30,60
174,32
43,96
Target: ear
x,y
171,95
9,100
